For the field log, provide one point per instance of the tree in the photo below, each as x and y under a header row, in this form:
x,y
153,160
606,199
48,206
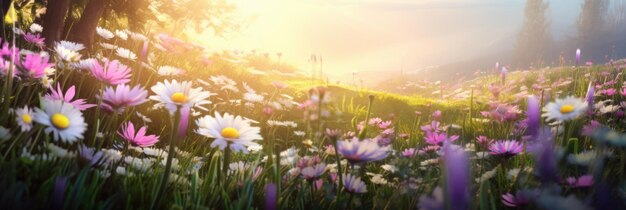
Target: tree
x,y
54,20
591,23
534,39
85,28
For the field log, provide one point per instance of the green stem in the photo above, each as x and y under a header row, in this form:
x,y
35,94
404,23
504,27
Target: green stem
x,y
168,164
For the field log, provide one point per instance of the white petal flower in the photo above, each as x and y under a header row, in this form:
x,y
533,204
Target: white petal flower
x,y
174,94
104,33
24,118
228,130
564,109
62,119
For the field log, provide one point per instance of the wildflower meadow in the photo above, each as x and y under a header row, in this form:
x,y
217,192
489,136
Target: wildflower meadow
x,y
147,119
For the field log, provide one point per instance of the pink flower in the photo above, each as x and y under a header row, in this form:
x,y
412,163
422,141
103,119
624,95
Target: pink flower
x,y
116,100
608,92
502,112
435,138
582,181
623,92
410,152
508,148
112,73
35,39
437,115
34,65
57,94
483,140
433,127
139,139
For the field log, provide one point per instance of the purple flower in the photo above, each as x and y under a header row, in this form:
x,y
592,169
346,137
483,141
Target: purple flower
x,y
519,199
112,73
410,152
502,113
437,115
577,57
457,177
57,94
582,181
608,92
483,140
433,127
362,151
435,138
533,115
58,195
590,128
271,195
434,202
34,65
116,100
508,148
35,39
353,184
138,139
542,148
91,156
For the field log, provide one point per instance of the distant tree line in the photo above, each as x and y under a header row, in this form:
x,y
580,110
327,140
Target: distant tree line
x,y
76,20
600,34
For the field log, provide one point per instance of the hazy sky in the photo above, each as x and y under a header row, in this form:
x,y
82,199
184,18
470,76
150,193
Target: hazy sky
x,y
384,35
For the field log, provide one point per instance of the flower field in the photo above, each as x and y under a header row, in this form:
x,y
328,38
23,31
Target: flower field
x,y
151,121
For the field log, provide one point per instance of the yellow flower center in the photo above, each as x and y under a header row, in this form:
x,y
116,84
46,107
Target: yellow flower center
x,y
60,121
179,97
26,118
567,108
230,133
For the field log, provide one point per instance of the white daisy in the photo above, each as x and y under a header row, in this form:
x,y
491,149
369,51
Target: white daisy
x,y
174,94
85,63
66,54
24,118
564,109
36,28
62,119
229,130
73,46
104,33
107,46
169,71
125,53
121,34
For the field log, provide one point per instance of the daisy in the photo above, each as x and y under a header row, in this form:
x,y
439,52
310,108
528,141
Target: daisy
x,y
169,71
35,65
564,109
104,33
73,46
506,148
139,138
67,54
362,151
174,94
24,118
121,34
125,53
57,94
36,28
35,39
312,173
62,119
112,73
229,130
116,100
353,184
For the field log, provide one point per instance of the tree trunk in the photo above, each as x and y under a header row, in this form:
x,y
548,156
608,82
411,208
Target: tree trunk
x,y
54,19
85,28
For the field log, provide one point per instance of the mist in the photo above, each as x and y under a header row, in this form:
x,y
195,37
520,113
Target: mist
x,y
384,37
